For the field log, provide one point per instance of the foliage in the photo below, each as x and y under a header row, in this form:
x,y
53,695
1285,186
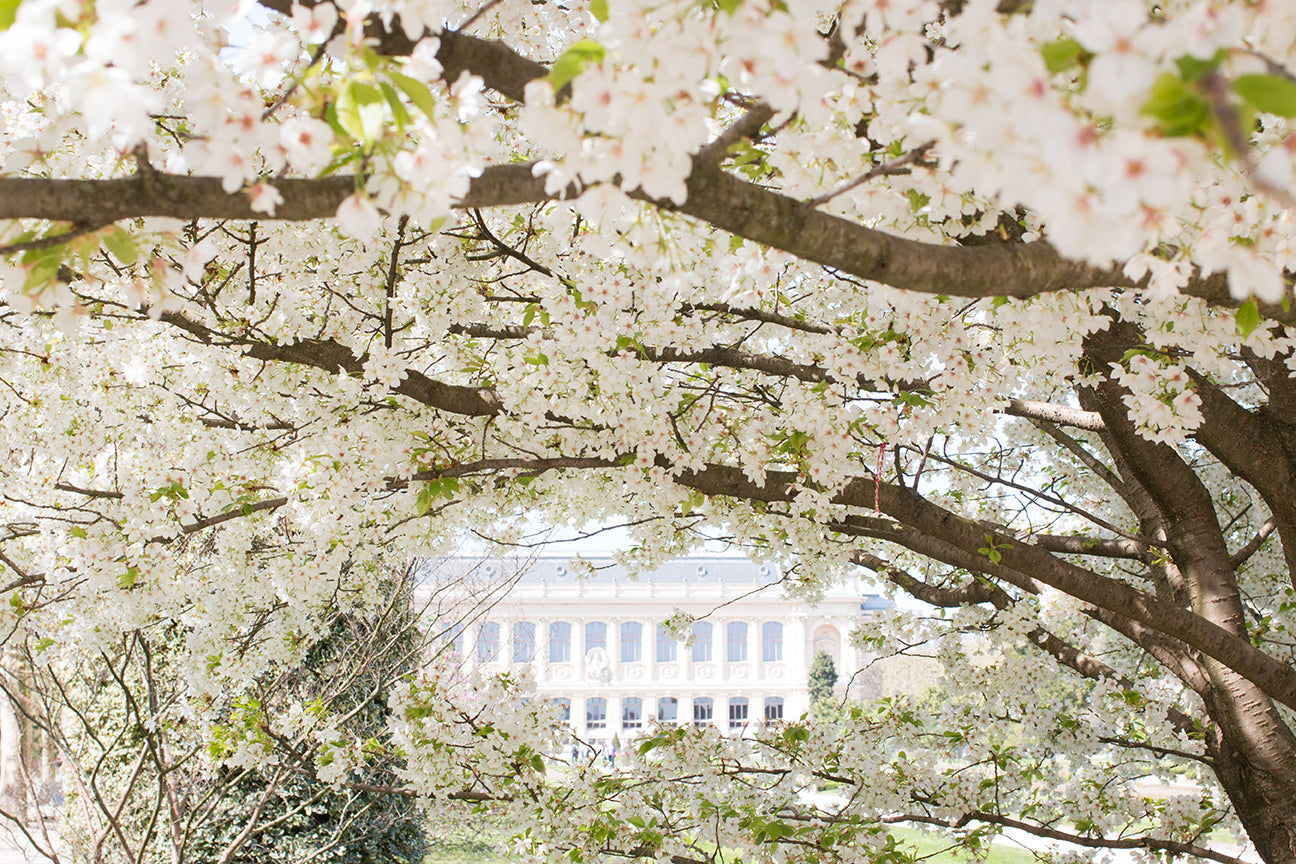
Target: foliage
x,y
151,783
989,298
822,678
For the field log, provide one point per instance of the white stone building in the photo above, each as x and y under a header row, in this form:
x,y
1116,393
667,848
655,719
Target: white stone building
x,y
596,642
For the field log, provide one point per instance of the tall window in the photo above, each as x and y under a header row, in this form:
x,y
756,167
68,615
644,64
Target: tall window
x,y
666,645
488,641
701,641
773,708
631,712
596,635
668,710
703,710
563,706
771,641
631,642
453,634
596,713
737,712
523,641
736,641
560,642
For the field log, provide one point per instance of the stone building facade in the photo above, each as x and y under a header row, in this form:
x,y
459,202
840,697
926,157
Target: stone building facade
x,y
597,642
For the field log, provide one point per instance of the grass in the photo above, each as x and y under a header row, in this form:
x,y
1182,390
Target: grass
x,y
926,844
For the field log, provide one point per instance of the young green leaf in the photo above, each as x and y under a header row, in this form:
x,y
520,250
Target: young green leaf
x,y
417,92
1061,55
573,62
1271,94
361,110
1247,318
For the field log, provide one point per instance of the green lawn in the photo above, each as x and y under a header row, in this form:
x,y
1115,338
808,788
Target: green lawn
x,y
925,843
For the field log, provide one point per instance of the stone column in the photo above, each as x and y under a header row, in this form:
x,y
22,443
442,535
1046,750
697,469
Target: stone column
x,y
796,663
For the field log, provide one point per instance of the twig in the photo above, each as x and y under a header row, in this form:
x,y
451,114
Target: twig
x,y
895,166
472,19
78,229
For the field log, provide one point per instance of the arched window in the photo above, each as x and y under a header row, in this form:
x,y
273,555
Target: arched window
x,y
666,645
524,641
736,641
488,641
703,710
631,642
596,713
772,641
668,710
701,641
773,708
737,712
596,635
631,712
560,642
452,632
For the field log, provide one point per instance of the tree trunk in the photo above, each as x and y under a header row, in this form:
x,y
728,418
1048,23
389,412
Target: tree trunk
x,y
1265,800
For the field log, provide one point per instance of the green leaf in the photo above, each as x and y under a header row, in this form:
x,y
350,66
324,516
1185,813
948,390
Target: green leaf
x,y
1247,318
361,110
8,11
1178,109
424,500
78,532
573,62
417,92
398,109
43,265
1272,94
600,9
695,500
1061,55
1193,69
122,246
129,578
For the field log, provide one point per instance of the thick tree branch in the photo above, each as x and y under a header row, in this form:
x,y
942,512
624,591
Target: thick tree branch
x,y
918,521
1150,843
1063,415
1250,443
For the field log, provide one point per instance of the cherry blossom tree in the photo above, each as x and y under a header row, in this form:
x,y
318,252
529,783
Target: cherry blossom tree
x,y
992,299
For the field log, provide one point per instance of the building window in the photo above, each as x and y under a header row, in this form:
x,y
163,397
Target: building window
x,y
773,708
560,642
701,641
668,710
666,645
631,642
736,641
453,634
737,712
523,641
703,710
771,641
596,635
631,712
488,642
563,706
596,713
